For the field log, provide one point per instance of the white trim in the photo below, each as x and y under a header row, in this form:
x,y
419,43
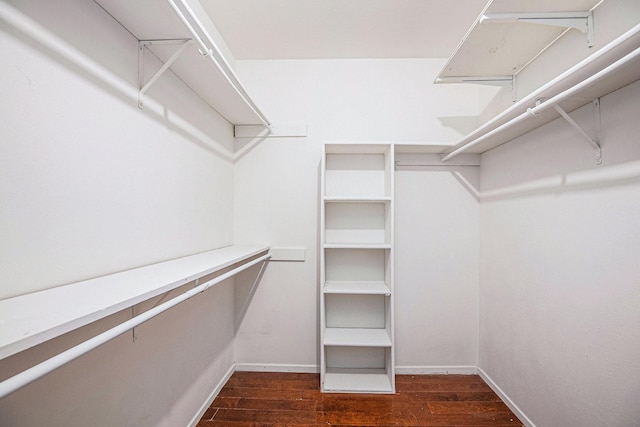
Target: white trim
x,y
196,419
262,367
436,370
514,408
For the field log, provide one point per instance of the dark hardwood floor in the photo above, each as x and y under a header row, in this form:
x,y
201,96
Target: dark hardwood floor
x,y
264,399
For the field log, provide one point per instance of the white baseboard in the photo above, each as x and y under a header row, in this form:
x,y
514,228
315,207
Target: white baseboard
x,y
436,370
514,408
194,421
260,367
401,370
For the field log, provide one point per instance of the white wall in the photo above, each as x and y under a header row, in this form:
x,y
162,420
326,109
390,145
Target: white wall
x,y
437,267
91,185
276,198
560,282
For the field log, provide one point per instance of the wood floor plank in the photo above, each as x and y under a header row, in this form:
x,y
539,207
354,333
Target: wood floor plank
x,y
466,407
375,418
266,415
265,393
273,404
452,396
478,420
264,399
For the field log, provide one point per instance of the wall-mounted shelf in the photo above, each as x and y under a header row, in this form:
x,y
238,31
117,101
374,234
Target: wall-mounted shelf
x,y
357,337
210,76
356,288
366,382
613,66
508,34
31,319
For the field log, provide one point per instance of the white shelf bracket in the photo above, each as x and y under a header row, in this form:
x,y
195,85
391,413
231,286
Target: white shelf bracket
x,y
144,87
595,142
581,21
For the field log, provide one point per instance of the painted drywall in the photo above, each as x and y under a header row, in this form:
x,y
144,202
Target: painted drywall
x,y
92,185
437,268
560,282
277,193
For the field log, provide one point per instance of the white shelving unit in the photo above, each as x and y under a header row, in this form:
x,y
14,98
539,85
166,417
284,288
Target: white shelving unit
x,y
356,297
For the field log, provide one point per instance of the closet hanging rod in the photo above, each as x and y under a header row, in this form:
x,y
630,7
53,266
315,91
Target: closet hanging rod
x,y
433,165
217,58
620,41
551,102
20,380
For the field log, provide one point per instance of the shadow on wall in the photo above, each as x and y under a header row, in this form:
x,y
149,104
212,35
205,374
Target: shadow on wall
x,y
467,176
606,177
114,69
556,159
464,125
245,286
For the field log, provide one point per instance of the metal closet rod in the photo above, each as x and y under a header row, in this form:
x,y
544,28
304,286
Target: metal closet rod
x,y
562,95
217,58
20,380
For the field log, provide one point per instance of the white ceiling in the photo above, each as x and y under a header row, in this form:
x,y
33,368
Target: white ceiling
x,y
296,29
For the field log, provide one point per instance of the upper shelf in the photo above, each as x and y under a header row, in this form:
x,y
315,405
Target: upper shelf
x,y
209,76
500,43
615,65
31,319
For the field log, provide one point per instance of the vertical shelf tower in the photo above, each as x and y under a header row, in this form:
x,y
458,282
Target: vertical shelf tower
x,y
356,292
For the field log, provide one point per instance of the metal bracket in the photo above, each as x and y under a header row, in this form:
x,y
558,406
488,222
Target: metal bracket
x,y
134,336
135,311
581,21
144,87
595,142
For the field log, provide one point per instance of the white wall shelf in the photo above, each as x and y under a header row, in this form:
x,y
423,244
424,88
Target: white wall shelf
x,y
357,337
210,76
357,199
357,268
612,67
31,319
373,381
504,38
354,288
357,246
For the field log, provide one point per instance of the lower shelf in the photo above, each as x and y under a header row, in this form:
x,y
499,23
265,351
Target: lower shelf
x,y
358,380
357,337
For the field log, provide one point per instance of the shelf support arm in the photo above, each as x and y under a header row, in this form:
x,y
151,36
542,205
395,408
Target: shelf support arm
x,y
595,143
581,21
141,45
